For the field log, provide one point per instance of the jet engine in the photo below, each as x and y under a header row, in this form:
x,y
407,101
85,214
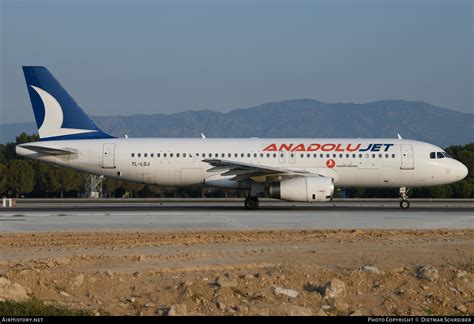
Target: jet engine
x,y
304,189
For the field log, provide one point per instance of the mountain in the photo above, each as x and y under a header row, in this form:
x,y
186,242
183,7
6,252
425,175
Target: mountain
x,y
295,118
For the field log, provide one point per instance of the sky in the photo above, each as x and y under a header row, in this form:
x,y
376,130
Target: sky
x,y
131,57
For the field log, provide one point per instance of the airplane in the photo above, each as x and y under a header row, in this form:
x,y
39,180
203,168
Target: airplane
x,y
290,169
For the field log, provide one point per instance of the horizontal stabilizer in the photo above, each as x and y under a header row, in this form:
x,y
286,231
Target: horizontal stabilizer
x,y
48,150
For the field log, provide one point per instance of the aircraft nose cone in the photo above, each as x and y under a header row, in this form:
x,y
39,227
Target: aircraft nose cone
x,y
462,171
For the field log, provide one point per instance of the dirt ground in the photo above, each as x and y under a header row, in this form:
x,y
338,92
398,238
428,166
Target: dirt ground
x,y
327,272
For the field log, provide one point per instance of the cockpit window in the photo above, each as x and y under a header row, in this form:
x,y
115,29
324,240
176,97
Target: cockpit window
x,y
432,155
439,155
447,155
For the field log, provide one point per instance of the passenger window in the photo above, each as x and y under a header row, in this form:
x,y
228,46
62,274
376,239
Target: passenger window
x,y
229,155
255,155
268,155
184,154
386,156
177,155
353,156
341,155
380,156
432,155
302,155
139,155
334,155
216,155
439,155
308,155
393,156
242,155
133,154
164,154
360,156
152,154
274,155
328,155
248,155
373,156
347,155
315,155
171,155
236,155
158,155
321,155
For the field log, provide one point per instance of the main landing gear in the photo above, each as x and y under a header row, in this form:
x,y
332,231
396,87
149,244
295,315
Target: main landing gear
x,y
404,203
251,202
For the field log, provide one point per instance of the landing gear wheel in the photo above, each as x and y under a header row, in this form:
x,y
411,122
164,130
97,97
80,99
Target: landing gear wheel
x,y
404,204
251,203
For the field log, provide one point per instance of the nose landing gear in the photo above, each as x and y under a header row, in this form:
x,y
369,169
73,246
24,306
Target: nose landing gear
x,y
404,203
251,202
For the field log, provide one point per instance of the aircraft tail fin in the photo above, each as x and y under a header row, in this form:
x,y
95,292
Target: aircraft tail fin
x,y
57,115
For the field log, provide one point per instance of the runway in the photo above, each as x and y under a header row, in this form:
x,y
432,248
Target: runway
x,y
34,216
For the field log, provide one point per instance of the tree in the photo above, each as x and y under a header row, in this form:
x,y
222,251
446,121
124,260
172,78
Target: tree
x,y
20,177
62,180
132,188
41,178
25,138
3,178
462,189
442,192
110,186
3,158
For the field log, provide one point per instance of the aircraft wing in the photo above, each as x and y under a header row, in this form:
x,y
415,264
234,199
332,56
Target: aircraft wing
x,y
243,171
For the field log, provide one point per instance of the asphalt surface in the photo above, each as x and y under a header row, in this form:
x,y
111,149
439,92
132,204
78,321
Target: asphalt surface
x,y
206,215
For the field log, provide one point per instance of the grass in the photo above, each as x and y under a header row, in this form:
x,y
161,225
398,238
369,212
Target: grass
x,y
429,311
367,260
197,296
464,262
35,307
249,298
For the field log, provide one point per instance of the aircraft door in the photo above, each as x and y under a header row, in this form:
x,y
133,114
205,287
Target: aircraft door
x,y
407,158
108,156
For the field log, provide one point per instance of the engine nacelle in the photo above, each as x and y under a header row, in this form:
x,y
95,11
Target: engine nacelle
x,y
304,189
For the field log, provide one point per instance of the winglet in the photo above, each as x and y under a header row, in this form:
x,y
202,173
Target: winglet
x,y
203,136
399,136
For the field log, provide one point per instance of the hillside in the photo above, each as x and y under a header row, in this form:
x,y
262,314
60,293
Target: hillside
x,y
295,118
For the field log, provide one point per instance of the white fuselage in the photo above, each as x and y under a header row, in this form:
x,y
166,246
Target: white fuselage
x,y
179,162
